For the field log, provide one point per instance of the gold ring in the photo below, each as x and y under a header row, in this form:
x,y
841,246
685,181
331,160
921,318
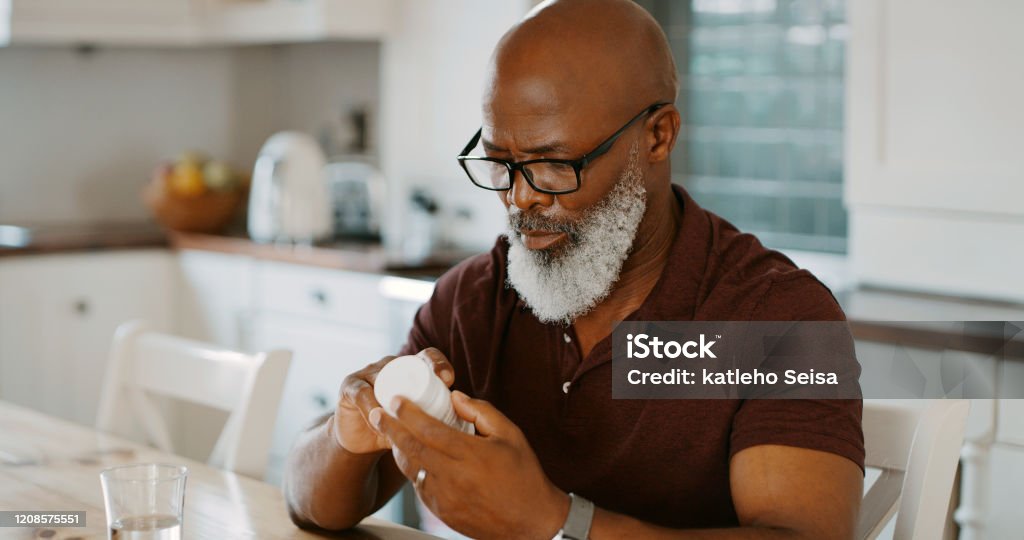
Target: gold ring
x,y
420,477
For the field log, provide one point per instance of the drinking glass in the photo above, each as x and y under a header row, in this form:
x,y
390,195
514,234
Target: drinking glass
x,y
144,501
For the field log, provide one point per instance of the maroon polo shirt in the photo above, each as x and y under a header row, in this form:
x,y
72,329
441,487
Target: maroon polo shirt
x,y
662,461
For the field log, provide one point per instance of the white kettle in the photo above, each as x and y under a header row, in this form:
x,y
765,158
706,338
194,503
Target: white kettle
x,y
289,201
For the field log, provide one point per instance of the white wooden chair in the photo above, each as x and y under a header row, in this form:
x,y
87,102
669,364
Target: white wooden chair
x,y
247,386
916,444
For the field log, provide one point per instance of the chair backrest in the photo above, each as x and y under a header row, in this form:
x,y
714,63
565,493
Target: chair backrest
x,y
916,444
247,386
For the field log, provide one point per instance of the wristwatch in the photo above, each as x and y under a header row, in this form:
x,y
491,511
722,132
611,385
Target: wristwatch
x,y
577,523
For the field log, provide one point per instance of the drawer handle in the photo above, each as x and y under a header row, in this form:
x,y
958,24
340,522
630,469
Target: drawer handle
x,y
320,297
81,307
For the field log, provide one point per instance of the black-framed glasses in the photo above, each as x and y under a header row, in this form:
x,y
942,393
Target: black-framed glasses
x,y
551,176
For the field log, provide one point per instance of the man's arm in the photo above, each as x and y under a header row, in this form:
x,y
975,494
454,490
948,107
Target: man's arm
x,y
779,492
492,485
341,470
328,487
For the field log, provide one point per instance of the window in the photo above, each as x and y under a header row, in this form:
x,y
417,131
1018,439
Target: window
x,y
761,93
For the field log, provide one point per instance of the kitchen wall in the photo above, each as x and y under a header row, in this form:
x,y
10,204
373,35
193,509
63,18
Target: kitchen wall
x,y
434,68
80,130
308,87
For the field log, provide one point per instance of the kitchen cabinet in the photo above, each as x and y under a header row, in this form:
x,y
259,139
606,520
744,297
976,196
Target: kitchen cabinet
x,y
933,156
106,22
334,322
349,298
191,22
58,314
215,292
280,21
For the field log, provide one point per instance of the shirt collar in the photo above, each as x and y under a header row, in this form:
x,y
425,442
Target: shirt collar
x,y
676,293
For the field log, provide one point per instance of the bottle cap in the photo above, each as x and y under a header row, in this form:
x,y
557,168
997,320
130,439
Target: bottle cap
x,y
406,376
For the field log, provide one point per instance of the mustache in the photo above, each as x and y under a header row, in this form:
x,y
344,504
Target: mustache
x,y
519,221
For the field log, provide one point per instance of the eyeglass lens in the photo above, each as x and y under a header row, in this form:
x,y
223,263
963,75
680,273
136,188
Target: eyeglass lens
x,y
550,176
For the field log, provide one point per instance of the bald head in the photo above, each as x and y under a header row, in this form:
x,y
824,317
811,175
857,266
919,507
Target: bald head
x,y
583,56
562,82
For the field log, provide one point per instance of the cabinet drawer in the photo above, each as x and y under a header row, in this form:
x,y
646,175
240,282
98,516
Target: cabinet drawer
x,y
347,297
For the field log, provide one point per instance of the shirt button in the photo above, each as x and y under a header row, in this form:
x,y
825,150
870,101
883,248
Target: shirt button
x,y
566,337
565,387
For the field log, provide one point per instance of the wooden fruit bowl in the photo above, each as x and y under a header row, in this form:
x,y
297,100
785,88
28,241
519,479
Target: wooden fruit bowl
x,y
209,212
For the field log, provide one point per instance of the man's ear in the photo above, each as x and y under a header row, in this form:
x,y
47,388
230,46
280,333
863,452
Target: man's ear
x,y
664,128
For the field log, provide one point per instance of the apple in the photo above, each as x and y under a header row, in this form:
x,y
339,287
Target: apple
x,y
218,176
187,179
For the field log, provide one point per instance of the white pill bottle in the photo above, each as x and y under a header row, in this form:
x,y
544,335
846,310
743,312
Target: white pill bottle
x,y
413,378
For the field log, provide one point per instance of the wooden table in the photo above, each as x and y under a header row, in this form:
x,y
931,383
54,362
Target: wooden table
x,y
51,464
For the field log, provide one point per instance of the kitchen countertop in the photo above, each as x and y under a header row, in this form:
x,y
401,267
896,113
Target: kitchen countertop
x,y
883,304
935,321
355,256
62,238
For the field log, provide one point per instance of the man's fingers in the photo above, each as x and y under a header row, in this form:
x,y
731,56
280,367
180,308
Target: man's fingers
x,y
442,366
354,387
410,453
429,430
487,419
360,393
370,372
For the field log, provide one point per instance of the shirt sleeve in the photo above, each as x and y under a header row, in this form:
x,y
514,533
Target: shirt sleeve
x,y
828,425
436,323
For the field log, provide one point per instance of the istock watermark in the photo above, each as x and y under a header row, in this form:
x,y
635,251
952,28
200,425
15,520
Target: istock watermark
x,y
814,360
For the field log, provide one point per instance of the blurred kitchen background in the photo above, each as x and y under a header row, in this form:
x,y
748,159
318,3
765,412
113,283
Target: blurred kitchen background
x,y
877,143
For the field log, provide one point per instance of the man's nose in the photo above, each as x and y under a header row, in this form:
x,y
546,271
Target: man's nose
x,y
524,196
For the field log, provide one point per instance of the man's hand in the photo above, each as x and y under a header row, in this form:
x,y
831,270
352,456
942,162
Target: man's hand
x,y
339,470
482,486
356,400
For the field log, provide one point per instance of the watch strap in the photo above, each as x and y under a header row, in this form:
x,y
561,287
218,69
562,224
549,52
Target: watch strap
x,y
577,523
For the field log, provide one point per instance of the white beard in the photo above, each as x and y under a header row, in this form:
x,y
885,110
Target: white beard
x,y
560,286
